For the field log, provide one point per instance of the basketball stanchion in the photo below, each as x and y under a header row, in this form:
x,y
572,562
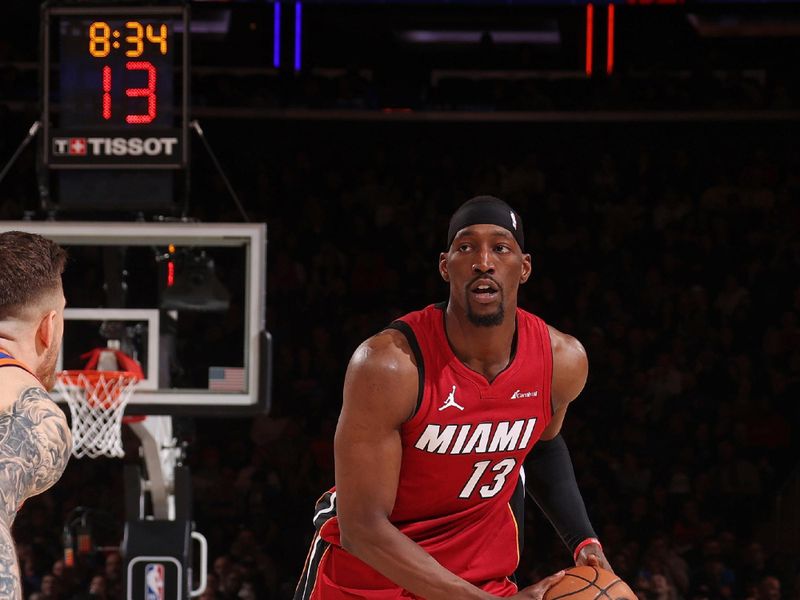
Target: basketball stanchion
x,y
157,545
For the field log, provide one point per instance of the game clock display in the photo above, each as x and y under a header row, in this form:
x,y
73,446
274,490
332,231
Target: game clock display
x,y
115,86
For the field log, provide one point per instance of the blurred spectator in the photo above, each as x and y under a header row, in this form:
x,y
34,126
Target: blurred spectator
x,y
769,589
670,250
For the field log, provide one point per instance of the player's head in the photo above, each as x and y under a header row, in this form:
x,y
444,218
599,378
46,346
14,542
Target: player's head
x,y
32,299
485,261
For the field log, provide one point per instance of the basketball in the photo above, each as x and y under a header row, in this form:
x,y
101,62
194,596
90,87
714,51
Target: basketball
x,y
590,583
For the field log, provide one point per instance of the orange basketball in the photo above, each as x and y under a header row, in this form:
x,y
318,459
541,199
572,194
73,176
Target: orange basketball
x,y
590,583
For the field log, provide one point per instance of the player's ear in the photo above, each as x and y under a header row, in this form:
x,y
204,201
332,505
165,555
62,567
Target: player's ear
x,y
45,331
443,266
527,268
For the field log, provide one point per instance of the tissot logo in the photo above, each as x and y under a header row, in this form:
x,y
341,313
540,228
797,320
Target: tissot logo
x,y
77,146
116,146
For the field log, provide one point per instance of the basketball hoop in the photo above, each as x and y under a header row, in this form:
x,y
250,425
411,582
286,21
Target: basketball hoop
x,y
97,400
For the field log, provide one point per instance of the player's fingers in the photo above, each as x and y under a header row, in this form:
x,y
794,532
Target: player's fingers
x,y
536,592
593,560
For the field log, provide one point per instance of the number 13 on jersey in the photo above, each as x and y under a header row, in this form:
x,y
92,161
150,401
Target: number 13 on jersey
x,y
502,469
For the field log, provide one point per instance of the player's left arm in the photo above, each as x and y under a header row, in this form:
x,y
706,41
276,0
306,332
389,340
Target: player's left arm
x,y
549,473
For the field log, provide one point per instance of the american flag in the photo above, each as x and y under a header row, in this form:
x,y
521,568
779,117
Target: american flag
x,y
226,379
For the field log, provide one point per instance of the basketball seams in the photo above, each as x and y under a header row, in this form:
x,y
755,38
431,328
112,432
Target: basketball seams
x,y
609,586
573,592
603,591
592,582
584,588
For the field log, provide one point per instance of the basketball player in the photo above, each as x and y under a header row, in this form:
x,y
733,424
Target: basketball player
x,y
35,441
440,411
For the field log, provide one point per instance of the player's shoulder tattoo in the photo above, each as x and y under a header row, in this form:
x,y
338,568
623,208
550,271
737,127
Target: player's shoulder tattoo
x,y
35,444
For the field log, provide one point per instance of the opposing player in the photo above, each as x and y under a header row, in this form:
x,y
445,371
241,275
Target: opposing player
x,y
35,440
440,411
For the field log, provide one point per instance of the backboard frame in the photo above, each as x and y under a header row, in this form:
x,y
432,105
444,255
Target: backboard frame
x,y
150,382
258,355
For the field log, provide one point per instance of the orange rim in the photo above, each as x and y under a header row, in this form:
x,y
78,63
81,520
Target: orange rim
x,y
92,376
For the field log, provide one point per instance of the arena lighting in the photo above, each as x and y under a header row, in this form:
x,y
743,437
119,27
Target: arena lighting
x,y
610,41
214,23
276,37
298,32
423,36
739,26
589,38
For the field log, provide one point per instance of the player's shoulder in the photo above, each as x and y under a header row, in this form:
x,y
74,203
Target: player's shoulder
x,y
14,382
387,352
566,347
570,366
382,379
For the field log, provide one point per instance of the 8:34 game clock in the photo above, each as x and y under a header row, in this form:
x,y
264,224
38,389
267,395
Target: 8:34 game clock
x,y
115,86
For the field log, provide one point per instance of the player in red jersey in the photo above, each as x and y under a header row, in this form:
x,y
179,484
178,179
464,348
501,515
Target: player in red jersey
x,y
440,411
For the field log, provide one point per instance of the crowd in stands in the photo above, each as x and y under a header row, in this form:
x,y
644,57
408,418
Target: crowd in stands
x,y
670,251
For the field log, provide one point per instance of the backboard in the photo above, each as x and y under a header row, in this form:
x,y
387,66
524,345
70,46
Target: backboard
x,y
187,300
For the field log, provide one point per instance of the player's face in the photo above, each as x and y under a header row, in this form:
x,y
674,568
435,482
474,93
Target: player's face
x,y
484,267
47,370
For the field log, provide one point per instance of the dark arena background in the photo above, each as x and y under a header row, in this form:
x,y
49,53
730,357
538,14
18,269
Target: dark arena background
x,y
651,147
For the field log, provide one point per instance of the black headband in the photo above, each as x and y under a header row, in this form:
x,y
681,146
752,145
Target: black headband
x,y
486,210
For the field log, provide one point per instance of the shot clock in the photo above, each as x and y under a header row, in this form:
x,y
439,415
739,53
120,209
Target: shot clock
x,y
115,86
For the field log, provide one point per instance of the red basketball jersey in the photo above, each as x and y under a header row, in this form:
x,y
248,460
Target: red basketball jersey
x,y
462,453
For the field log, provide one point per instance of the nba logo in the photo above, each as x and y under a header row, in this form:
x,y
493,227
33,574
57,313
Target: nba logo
x,y
154,581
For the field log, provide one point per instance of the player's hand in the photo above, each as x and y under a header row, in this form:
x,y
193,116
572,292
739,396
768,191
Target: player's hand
x,y
537,590
592,555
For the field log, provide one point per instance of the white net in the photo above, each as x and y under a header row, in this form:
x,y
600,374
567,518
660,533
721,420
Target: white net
x,y
97,401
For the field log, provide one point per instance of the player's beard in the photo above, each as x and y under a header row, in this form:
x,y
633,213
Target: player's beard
x,y
47,370
491,320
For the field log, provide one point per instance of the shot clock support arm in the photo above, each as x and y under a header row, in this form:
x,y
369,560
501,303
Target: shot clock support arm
x,y
23,144
194,124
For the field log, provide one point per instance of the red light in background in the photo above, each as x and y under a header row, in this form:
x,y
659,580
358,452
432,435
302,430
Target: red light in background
x,y
170,274
84,542
610,47
589,37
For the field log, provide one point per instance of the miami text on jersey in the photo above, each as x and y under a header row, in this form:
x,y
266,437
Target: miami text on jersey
x,y
468,438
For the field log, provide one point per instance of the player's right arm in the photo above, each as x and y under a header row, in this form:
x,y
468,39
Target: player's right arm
x,y
380,394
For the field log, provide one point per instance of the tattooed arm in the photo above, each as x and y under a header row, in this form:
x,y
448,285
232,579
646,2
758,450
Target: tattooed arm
x,y
10,586
35,444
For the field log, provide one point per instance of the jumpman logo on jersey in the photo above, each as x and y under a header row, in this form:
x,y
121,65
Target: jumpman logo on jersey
x,y
451,401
